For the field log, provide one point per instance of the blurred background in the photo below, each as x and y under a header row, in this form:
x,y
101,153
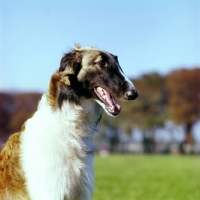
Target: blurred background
x,y
158,45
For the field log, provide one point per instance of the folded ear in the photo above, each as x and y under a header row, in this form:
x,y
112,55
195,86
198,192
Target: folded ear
x,y
61,88
71,62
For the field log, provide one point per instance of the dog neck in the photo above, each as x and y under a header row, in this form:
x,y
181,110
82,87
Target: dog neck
x,y
82,119
62,134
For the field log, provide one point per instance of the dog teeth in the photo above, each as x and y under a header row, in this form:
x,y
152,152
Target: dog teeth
x,y
101,92
112,108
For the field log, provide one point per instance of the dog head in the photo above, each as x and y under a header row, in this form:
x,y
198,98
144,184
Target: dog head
x,y
91,73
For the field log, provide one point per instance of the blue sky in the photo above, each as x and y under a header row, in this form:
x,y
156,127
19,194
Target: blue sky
x,y
147,36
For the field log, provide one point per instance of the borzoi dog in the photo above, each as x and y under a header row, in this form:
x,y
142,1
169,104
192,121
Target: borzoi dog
x,y
51,158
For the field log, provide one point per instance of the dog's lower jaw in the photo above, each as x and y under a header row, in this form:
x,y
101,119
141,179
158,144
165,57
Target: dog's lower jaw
x,y
56,159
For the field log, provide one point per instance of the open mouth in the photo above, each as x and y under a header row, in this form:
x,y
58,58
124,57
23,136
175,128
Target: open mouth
x,y
109,101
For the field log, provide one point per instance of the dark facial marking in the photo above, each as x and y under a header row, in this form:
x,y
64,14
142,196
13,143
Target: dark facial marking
x,y
109,76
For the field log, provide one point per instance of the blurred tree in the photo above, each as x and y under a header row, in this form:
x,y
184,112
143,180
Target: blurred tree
x,y
25,106
147,112
6,110
15,109
183,87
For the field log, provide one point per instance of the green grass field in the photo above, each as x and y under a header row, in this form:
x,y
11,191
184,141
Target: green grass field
x,y
137,177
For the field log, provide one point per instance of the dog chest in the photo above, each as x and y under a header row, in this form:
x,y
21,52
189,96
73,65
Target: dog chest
x,y
57,156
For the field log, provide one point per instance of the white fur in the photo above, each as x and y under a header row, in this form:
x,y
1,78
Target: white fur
x,y
56,151
131,86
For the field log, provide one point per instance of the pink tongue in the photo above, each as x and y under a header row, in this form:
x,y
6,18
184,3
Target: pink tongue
x,y
112,105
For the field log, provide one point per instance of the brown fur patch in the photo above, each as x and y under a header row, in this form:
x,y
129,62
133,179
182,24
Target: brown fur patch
x,y
53,90
87,62
12,180
65,80
57,80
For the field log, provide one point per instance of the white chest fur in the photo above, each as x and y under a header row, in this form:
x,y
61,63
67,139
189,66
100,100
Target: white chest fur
x,y
56,151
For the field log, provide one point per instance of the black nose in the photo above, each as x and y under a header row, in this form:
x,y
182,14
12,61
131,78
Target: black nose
x,y
131,94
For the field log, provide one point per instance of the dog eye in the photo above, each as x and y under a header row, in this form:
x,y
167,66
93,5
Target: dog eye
x,y
103,63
